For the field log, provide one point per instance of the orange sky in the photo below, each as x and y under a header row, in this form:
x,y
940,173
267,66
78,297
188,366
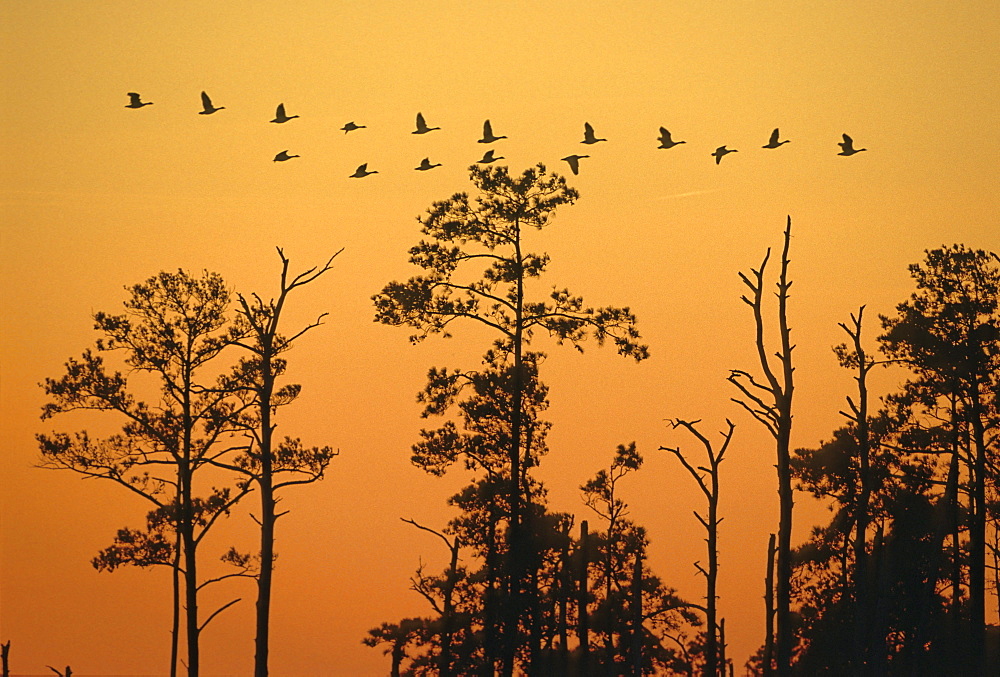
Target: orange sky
x,y
96,196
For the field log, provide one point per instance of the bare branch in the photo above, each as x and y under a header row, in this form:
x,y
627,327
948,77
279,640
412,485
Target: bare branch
x,y
217,612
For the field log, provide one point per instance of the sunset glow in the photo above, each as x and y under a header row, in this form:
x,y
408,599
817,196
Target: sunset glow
x,y
99,193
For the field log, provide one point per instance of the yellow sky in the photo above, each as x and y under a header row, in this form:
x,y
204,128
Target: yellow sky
x,y
95,196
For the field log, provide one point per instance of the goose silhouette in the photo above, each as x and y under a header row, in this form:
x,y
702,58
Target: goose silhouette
x,y
774,143
488,157
207,107
588,134
280,117
666,141
422,127
134,101
425,164
488,136
283,155
350,127
720,152
574,162
362,171
847,146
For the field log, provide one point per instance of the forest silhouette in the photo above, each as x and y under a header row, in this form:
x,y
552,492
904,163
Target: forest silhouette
x,y
897,583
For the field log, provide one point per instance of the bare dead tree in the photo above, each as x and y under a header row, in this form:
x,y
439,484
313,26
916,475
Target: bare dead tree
x,y
710,522
771,404
5,657
265,463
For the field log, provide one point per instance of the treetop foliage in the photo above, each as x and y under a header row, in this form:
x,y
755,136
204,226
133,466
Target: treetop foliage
x,y
488,230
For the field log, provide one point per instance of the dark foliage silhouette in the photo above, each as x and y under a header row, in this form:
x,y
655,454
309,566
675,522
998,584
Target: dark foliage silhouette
x,y
173,329
503,436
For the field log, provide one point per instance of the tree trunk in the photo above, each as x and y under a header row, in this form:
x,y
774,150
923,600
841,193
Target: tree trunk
x,y
862,605
447,620
264,579
783,644
882,581
565,590
189,543
267,511
944,516
490,611
185,509
175,622
583,626
768,660
977,538
711,643
722,647
514,602
191,604
637,615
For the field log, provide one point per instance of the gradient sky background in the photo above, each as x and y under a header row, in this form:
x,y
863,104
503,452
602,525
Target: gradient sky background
x,y
96,196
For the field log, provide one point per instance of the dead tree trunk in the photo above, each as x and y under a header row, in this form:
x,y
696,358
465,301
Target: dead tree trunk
x,y
5,657
267,345
769,606
771,404
723,661
711,523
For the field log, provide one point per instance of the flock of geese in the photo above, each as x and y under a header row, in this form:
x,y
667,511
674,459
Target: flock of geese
x,y
589,138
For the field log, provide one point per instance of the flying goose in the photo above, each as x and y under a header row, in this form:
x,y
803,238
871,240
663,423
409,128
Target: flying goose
x,y
350,127
135,102
720,152
774,143
422,127
279,115
488,157
206,104
283,155
488,136
847,146
588,134
574,162
425,164
666,141
362,171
